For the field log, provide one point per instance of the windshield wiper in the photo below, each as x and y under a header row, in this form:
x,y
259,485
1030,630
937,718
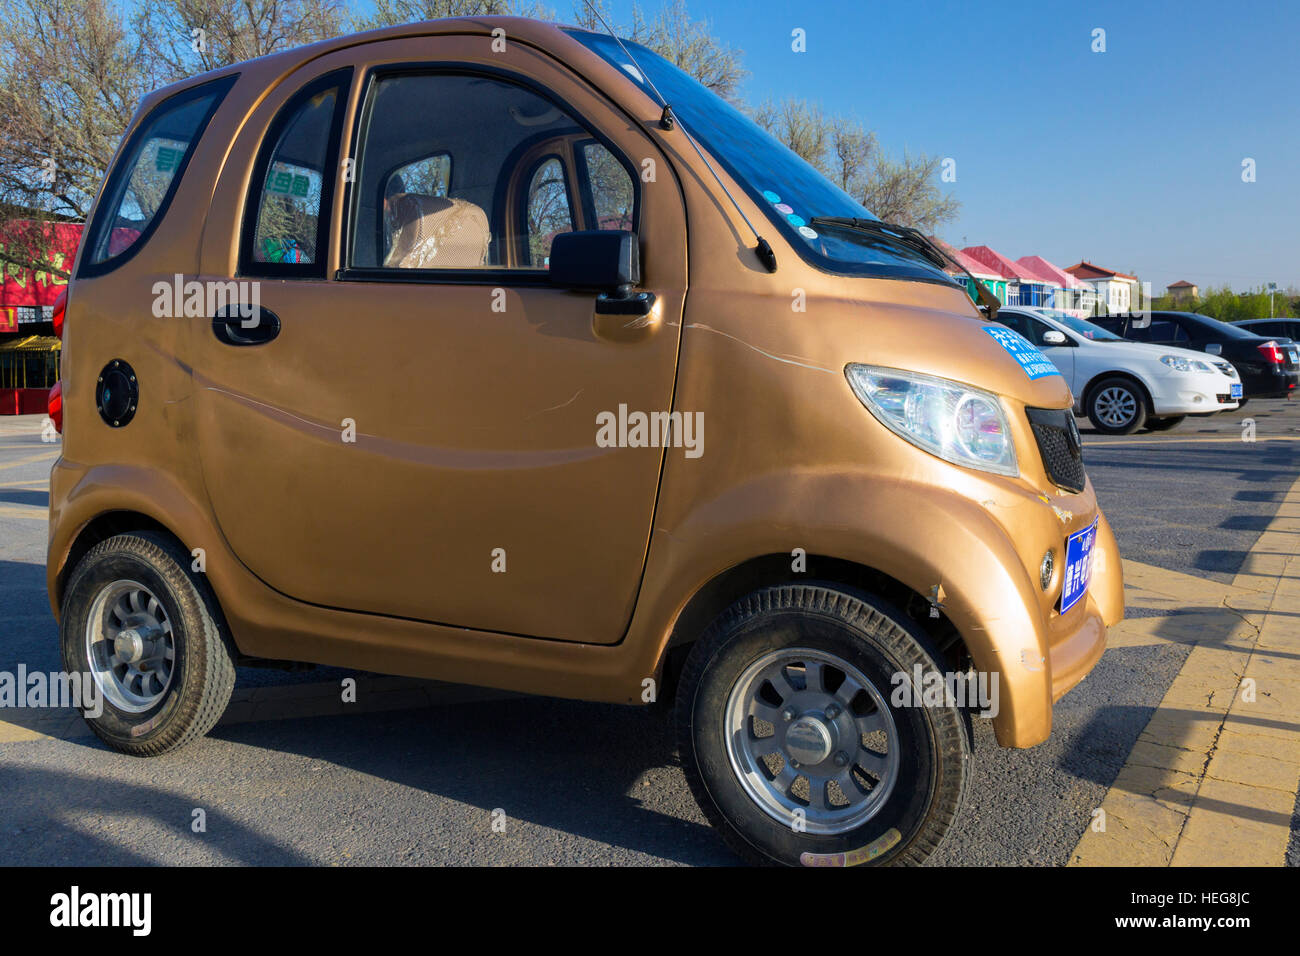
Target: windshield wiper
x,y
917,241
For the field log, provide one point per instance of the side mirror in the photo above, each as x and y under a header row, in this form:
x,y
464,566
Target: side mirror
x,y
606,260
1214,348
1053,337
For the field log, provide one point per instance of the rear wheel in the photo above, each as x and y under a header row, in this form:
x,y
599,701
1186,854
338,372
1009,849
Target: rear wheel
x,y
1165,424
1116,406
147,632
794,744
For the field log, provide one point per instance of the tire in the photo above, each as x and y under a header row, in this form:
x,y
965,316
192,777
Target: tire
x,y
862,640
1116,406
148,604
1165,424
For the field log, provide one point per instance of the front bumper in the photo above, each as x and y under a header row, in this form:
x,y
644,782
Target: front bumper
x,y
1192,393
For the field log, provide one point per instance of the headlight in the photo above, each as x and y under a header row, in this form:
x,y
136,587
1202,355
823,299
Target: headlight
x,y
1173,361
1201,367
960,424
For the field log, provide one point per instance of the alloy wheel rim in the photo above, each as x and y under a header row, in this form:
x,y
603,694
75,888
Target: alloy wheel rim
x,y
1116,406
809,736
130,646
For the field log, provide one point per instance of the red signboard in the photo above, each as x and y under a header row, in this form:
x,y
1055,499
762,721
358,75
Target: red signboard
x,y
24,293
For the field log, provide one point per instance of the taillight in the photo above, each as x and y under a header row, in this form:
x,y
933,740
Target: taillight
x,y
1272,353
55,406
60,307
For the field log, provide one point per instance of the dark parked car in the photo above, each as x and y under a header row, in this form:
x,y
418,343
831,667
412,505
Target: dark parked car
x,y
1269,365
1289,328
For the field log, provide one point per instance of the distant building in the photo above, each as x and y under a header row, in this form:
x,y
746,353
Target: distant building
x,y
1115,290
1023,287
1072,295
1182,291
980,272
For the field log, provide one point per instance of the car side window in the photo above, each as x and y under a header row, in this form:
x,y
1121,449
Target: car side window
x,y
1161,330
524,170
289,205
1016,322
430,176
548,210
609,187
144,179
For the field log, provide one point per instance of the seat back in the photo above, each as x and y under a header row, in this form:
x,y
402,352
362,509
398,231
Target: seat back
x,y
433,232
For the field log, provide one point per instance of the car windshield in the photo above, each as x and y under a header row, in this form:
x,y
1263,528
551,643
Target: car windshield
x,y
790,191
1082,327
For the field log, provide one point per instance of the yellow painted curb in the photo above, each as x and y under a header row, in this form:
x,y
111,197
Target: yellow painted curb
x,y
1213,777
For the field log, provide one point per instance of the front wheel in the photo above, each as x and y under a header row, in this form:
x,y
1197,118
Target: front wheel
x,y
795,743
1116,407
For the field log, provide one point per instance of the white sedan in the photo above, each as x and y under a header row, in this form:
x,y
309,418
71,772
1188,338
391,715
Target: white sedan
x,y
1123,385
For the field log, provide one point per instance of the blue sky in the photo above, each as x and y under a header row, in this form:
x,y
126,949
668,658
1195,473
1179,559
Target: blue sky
x,y
1129,158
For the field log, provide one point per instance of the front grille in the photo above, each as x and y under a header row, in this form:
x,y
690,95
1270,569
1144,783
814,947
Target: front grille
x,y
1059,444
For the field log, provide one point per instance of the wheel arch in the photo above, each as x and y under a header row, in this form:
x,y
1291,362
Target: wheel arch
x,y
774,570
101,528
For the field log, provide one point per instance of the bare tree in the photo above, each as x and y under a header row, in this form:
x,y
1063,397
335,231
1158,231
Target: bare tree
x,y
185,37
688,44
71,76
391,12
905,190
802,126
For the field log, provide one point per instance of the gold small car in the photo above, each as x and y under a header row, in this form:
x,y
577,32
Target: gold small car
x,y
502,353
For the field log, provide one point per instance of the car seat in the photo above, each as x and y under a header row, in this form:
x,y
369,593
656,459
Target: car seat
x,y
434,232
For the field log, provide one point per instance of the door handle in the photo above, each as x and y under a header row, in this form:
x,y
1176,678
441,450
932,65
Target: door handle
x,y
233,325
624,318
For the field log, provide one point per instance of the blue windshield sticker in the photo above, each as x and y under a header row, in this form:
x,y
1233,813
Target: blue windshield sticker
x,y
796,221
771,196
1035,363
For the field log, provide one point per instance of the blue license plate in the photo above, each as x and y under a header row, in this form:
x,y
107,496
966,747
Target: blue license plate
x,y
1078,565
1236,389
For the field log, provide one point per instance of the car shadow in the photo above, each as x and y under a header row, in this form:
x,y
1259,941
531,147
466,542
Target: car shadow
x,y
25,496
604,773
591,770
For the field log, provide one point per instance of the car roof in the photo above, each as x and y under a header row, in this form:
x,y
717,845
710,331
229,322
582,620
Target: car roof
x,y
269,68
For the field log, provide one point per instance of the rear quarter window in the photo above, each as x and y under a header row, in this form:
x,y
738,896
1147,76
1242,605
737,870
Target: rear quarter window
x,y
142,183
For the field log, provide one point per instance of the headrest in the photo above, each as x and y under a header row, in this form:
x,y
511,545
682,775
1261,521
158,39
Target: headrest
x,y
432,232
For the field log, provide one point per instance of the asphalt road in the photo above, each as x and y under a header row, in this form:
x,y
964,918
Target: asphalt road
x,y
582,783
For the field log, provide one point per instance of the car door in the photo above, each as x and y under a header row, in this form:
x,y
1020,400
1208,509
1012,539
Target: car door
x,y
1188,334
420,437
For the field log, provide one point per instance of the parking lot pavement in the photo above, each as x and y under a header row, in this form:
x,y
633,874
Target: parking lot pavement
x,y
413,772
